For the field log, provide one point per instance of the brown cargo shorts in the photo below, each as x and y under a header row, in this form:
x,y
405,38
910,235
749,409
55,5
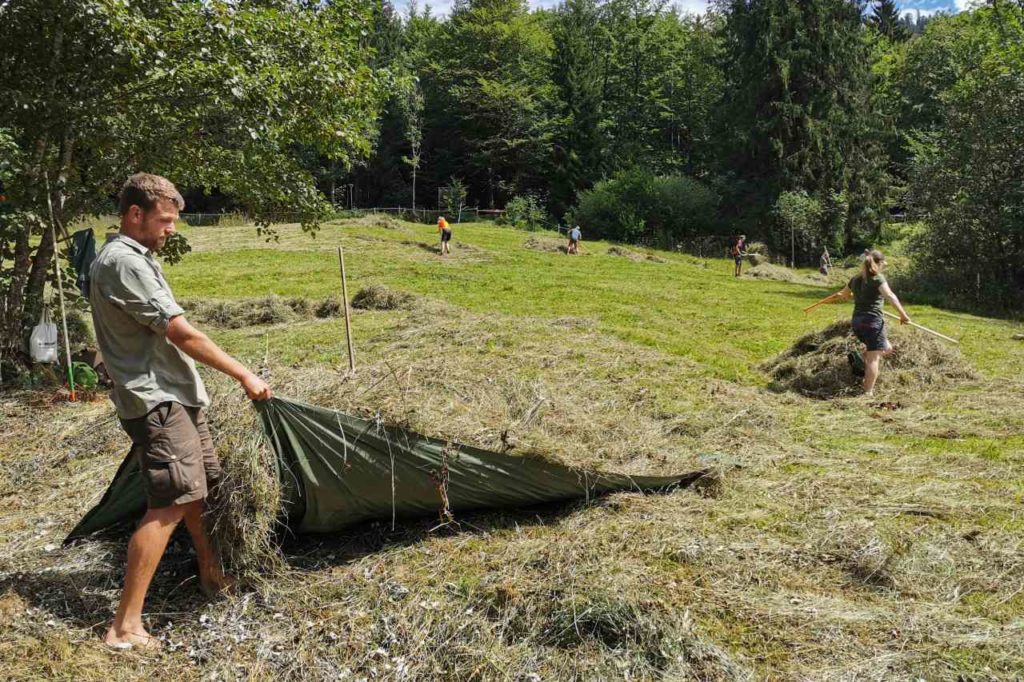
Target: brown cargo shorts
x,y
176,455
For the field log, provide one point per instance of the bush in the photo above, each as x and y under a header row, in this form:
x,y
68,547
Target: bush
x,y
799,218
639,207
526,213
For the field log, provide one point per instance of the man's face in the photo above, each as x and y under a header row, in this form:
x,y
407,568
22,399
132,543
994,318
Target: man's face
x,y
152,228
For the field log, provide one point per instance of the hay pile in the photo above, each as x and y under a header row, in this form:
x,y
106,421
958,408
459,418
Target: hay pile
x,y
756,259
549,245
634,256
251,312
766,270
380,297
816,365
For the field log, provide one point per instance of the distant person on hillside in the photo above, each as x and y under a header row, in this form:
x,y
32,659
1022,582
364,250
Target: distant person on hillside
x,y
825,263
739,250
574,241
869,289
446,235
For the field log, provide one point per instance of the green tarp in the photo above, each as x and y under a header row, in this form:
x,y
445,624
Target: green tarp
x,y
336,470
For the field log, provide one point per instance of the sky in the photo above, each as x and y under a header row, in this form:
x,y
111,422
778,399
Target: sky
x,y
927,7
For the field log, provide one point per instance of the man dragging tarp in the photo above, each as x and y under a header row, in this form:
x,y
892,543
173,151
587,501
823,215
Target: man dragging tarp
x,y
149,349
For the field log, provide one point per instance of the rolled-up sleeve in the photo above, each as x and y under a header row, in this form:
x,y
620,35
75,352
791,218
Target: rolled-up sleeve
x,y
133,286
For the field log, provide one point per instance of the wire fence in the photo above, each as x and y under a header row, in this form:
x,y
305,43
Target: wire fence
x,y
417,215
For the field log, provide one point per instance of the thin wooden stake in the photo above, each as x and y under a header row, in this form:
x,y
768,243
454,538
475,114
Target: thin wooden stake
x,y
60,289
348,321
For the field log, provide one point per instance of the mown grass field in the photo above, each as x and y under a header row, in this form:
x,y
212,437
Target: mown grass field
x,y
847,539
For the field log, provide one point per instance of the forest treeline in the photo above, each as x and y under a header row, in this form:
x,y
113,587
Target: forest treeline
x,y
802,125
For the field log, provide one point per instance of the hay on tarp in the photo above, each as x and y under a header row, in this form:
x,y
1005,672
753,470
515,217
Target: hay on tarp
x,y
245,506
816,365
380,297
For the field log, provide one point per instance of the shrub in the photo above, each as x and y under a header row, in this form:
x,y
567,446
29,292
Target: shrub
x,y
637,206
525,212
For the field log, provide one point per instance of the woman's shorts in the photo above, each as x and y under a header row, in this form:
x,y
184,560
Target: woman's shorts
x,y
870,330
446,235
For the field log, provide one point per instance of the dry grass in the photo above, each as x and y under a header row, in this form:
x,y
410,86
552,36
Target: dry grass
x,y
542,244
380,297
816,365
249,312
635,256
843,539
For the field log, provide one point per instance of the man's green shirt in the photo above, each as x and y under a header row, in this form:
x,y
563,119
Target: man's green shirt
x,y
132,305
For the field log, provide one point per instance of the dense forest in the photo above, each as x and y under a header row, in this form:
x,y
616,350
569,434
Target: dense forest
x,y
801,124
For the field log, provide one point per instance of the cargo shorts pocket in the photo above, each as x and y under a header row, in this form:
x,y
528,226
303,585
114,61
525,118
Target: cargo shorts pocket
x,y
171,460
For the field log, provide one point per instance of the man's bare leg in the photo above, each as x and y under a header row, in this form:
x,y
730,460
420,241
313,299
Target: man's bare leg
x,y
144,552
211,577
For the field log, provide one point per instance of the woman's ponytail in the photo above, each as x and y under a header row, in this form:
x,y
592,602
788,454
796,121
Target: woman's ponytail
x,y
873,261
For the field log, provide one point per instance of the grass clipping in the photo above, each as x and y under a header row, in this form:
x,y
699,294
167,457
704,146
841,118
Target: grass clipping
x,y
816,365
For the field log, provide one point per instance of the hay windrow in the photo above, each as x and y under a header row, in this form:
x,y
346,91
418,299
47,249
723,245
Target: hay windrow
x,y
766,270
251,312
380,297
635,256
541,244
816,365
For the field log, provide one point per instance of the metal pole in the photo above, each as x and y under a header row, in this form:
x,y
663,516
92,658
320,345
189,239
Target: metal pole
x,y
348,321
60,289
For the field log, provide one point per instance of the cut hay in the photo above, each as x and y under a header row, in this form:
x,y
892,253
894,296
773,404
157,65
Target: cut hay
x,y
816,365
384,221
252,312
380,297
766,270
245,505
549,245
756,259
635,256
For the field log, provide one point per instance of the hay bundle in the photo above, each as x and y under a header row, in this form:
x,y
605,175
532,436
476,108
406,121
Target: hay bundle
x,y
756,259
634,256
816,365
766,270
251,312
246,503
544,245
380,297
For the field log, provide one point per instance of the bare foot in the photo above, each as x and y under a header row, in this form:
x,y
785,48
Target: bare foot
x,y
130,639
220,586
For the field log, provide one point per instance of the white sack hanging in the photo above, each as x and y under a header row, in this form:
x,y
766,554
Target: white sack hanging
x,y
42,345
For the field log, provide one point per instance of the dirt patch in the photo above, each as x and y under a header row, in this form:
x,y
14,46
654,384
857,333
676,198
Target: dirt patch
x,y
380,297
817,366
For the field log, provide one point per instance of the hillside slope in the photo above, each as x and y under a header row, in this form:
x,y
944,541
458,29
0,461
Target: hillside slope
x,y
847,538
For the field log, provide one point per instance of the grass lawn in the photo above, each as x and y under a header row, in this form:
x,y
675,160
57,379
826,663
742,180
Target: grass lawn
x,y
847,539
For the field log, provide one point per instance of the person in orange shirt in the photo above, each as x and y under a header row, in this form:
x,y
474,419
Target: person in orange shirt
x,y
446,235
